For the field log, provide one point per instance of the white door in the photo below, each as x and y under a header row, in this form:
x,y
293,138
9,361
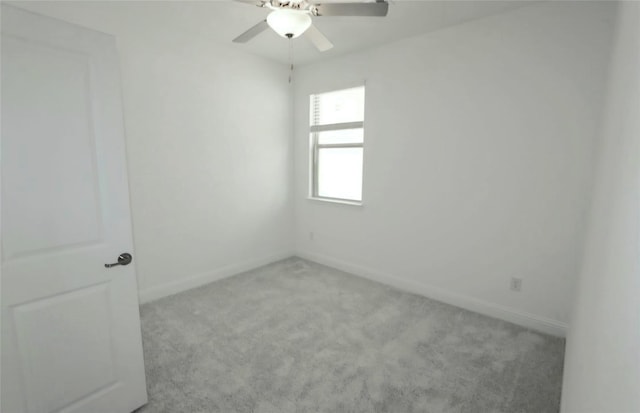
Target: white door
x,y
71,337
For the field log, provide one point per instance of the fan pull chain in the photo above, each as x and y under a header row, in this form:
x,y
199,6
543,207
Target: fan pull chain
x,y
290,59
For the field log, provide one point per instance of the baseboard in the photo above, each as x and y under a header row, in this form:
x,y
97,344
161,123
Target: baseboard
x,y
198,280
528,320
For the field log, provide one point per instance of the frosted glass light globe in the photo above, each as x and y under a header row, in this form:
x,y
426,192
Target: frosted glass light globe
x,y
289,23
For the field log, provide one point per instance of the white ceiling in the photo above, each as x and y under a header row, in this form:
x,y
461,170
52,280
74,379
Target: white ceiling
x,y
222,21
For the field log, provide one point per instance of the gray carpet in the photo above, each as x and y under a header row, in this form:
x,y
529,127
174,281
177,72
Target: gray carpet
x,y
295,336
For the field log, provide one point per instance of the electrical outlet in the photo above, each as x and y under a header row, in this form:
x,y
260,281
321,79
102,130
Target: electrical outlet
x,y
516,284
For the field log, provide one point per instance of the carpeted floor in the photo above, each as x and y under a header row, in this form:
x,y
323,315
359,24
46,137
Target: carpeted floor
x,y
295,336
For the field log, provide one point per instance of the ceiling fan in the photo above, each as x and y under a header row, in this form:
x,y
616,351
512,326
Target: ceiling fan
x,y
291,18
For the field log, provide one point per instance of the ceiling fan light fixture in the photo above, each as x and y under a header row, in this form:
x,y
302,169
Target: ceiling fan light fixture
x,y
289,23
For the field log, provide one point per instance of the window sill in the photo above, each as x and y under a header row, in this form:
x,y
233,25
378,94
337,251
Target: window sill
x,y
335,201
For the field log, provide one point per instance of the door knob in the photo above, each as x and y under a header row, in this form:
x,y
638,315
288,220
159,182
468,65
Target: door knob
x,y
123,259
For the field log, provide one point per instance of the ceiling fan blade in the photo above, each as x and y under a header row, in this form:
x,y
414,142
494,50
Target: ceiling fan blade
x,y
252,32
352,9
259,3
318,39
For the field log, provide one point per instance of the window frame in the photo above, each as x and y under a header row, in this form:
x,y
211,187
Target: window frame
x,y
314,132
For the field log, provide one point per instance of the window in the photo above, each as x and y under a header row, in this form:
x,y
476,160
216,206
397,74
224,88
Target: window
x,y
337,144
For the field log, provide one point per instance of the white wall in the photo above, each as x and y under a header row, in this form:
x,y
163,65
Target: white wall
x,y
209,151
208,139
478,160
602,363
